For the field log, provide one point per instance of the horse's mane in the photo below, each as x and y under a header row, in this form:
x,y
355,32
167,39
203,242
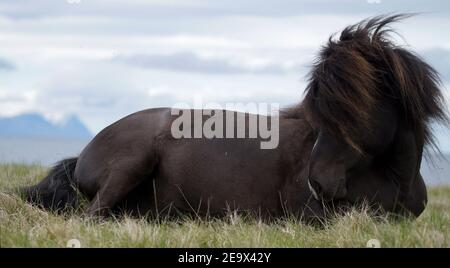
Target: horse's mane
x,y
363,67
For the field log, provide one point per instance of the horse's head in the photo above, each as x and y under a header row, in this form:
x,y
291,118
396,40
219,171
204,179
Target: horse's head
x,y
363,93
335,157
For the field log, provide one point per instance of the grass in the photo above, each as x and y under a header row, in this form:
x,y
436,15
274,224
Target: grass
x,y
22,225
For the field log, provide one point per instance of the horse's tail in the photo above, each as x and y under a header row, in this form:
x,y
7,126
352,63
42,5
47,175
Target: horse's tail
x,y
362,66
58,190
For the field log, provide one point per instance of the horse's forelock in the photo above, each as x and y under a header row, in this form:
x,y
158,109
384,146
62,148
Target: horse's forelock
x,y
360,69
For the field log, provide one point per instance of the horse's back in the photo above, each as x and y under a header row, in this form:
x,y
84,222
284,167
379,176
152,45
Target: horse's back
x,y
210,174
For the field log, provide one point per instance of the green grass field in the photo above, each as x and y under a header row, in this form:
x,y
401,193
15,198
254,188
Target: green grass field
x,y
22,225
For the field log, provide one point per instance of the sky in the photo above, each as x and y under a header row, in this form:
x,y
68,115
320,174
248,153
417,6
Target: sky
x,y
104,59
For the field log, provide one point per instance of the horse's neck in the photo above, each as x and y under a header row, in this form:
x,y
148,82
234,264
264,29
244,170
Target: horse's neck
x,y
298,140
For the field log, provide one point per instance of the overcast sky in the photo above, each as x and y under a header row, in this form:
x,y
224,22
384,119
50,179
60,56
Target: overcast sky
x,y
104,59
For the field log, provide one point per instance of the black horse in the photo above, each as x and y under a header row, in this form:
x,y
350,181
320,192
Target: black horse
x,y
358,135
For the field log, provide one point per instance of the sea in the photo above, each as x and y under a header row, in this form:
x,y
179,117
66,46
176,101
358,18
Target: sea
x,y
46,152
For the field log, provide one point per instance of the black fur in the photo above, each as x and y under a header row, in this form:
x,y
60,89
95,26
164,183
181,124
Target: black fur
x,y
363,69
57,191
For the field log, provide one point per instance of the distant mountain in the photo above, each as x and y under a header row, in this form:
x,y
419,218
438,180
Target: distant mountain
x,y
36,126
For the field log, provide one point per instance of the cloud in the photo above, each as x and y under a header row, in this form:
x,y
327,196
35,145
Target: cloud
x,y
6,65
20,9
439,58
190,62
164,52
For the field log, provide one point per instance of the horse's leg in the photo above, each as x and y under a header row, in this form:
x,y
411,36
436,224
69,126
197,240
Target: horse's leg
x,y
112,192
120,181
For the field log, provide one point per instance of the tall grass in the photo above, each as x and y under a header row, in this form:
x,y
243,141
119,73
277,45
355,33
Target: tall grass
x,y
22,225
